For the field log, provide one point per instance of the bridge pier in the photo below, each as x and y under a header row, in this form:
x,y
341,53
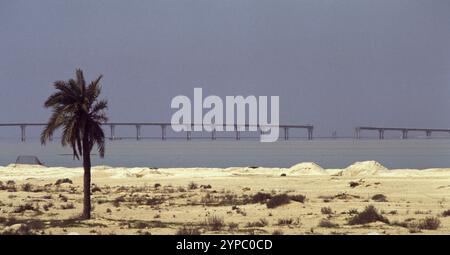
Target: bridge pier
x,y
138,132
163,132
188,132
404,134
238,135
357,133
261,131
428,132
113,135
310,133
286,133
23,135
213,134
381,134
188,135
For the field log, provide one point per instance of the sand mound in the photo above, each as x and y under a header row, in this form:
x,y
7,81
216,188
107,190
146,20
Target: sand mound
x,y
24,172
306,168
135,172
237,171
364,168
25,166
101,167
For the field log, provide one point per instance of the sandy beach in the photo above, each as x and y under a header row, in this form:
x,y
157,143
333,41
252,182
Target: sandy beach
x,y
302,199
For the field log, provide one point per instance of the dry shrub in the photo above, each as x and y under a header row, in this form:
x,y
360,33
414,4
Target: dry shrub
x,y
215,223
188,231
370,214
278,200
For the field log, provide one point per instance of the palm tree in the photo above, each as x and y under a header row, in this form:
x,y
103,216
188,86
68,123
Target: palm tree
x,y
79,112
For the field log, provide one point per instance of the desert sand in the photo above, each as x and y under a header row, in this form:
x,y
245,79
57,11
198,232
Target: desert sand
x,y
303,199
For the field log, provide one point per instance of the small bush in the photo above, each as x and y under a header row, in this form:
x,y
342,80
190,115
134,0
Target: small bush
x,y
36,224
326,210
208,186
215,223
277,232
23,229
413,228
10,186
352,211
278,200
379,198
188,231
430,223
345,196
63,198
354,184
260,224
67,206
370,214
65,180
261,197
446,213
27,187
233,226
145,200
95,189
157,185
285,221
192,186
324,223
46,207
118,200
298,198
26,207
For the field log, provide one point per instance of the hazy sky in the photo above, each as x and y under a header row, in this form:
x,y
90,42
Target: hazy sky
x,y
335,64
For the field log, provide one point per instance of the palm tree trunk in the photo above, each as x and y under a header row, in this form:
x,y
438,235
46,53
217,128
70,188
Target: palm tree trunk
x,y
86,180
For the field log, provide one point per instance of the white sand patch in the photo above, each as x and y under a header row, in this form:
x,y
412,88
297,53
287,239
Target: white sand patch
x,y
101,167
25,166
196,172
307,168
364,168
135,172
432,172
269,171
24,172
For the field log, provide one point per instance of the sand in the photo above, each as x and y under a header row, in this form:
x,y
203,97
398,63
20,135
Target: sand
x,y
165,201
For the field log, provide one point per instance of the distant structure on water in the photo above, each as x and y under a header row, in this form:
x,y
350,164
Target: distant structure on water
x,y
28,160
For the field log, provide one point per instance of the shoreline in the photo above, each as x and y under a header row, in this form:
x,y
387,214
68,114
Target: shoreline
x,y
358,169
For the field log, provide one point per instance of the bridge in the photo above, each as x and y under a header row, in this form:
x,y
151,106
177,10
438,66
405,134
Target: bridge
x,y
163,125
404,131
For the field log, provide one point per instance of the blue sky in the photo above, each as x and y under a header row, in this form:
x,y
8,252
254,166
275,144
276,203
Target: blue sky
x,y
335,64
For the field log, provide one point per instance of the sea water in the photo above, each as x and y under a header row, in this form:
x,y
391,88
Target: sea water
x,y
329,153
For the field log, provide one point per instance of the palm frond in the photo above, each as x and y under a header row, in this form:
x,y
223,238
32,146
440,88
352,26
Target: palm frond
x,y
78,112
55,121
99,106
97,137
80,80
93,90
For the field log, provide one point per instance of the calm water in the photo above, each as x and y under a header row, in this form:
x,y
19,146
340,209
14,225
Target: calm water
x,y
419,153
